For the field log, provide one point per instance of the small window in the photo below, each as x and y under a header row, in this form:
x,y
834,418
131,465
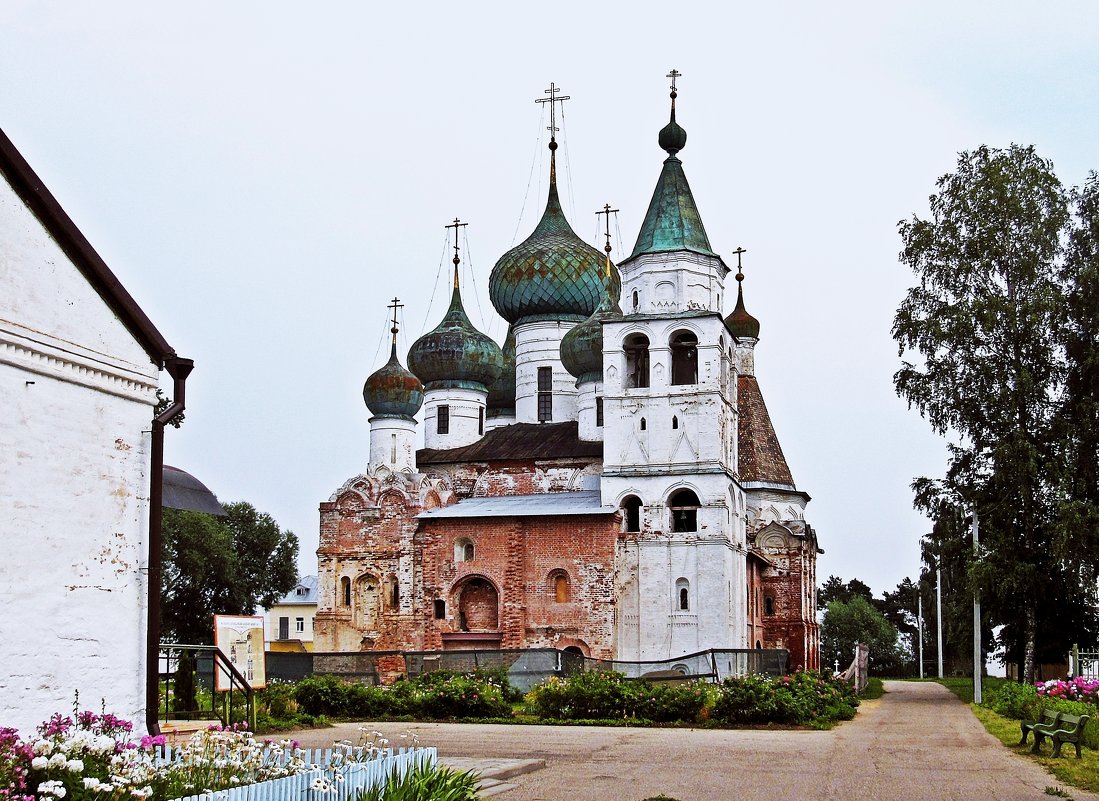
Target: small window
x,y
636,300
284,628
393,449
682,595
642,423
768,605
480,420
675,422
684,358
302,591
392,592
560,588
299,625
598,412
440,609
631,507
345,590
443,419
464,550
545,394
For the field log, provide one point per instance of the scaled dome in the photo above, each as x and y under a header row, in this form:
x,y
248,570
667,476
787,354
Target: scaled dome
x,y
552,275
582,346
501,395
393,391
455,354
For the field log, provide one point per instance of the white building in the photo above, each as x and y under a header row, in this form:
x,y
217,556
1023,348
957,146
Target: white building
x,y
288,624
79,368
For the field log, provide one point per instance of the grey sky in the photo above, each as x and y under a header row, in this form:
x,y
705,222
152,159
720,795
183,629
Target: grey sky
x,y
264,176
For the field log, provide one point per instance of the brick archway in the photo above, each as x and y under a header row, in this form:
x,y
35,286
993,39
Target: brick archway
x,y
478,605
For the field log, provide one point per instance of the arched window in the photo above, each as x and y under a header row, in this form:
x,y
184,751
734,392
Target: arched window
x,y
560,582
684,506
642,423
675,422
682,595
345,591
631,512
637,360
684,358
464,550
478,606
392,592
636,300
366,602
768,605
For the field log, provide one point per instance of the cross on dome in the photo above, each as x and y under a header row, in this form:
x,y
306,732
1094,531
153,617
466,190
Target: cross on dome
x,y
553,100
456,225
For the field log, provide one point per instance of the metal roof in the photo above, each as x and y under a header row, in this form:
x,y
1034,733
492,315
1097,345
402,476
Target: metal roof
x,y
585,502
304,593
519,442
184,491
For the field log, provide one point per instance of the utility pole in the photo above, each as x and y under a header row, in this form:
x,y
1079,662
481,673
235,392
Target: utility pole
x,y
939,611
978,660
919,628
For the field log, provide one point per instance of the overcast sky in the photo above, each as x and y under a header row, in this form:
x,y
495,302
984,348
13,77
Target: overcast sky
x,y
264,176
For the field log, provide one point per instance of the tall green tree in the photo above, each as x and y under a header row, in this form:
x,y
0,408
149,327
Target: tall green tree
x,y
222,566
982,340
848,622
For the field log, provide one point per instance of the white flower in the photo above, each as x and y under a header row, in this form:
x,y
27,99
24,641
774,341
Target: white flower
x,y
75,766
52,788
39,763
57,760
43,747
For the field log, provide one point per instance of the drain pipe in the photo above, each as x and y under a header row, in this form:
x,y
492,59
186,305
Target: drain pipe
x,y
178,369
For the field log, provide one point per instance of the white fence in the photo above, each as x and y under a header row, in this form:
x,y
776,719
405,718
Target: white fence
x,y
1087,664
326,782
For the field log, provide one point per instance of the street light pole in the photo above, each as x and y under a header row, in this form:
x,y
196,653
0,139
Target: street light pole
x,y
939,611
919,628
978,660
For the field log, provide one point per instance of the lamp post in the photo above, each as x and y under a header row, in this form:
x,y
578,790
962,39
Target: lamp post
x,y
939,611
978,660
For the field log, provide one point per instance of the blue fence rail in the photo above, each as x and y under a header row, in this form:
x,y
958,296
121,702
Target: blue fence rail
x,y
333,777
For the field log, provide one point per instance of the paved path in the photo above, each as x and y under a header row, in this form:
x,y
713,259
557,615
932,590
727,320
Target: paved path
x,y
917,742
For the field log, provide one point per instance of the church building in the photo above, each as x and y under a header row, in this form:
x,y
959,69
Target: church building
x,y
607,481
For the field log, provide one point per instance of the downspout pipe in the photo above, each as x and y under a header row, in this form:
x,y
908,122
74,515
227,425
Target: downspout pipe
x,y
178,369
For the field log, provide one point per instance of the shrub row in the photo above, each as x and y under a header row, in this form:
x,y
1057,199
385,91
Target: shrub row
x,y
804,697
439,695
1025,702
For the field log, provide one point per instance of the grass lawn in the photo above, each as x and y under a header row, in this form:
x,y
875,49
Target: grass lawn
x,y
1082,773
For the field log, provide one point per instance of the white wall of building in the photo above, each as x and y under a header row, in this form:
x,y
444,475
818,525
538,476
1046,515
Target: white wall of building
x,y
77,393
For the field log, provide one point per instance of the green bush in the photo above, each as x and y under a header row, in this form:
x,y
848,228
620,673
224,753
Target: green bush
x,y
678,702
322,695
800,698
591,695
451,695
1016,701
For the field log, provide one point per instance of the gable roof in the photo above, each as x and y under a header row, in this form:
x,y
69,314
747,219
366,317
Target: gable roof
x,y
34,194
519,441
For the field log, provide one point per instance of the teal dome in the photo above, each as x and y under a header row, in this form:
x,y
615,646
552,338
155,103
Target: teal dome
x,y
582,346
552,275
393,391
501,395
672,137
455,354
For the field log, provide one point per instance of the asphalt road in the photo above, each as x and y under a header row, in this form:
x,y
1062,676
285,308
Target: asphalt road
x,y
917,742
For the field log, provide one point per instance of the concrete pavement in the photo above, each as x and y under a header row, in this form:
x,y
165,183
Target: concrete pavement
x,y
917,742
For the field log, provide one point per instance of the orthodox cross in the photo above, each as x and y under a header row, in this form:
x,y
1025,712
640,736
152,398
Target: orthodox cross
x,y
553,100
607,210
739,270
673,75
396,304
456,225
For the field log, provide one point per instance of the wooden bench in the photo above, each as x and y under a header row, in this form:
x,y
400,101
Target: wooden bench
x,y
1068,729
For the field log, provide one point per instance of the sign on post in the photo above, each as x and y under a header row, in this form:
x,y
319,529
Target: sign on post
x,y
240,638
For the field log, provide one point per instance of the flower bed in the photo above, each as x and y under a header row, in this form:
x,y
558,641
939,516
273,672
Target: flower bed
x,y
1078,689
90,757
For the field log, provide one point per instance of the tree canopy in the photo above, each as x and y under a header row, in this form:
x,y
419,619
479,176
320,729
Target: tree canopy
x,y
856,620
998,346
230,566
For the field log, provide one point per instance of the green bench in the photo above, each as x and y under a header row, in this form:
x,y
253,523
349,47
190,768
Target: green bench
x,y
1049,718
1063,728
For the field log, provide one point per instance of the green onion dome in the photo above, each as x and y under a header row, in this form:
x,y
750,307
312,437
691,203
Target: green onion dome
x,y
552,275
582,346
740,323
501,394
672,137
393,391
455,354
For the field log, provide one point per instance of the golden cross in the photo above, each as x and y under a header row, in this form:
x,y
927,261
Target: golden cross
x,y
553,100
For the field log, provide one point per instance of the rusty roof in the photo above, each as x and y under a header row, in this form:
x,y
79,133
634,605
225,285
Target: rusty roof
x,y
760,455
519,442
544,504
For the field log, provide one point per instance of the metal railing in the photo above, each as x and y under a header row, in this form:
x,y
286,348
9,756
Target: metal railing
x,y
189,686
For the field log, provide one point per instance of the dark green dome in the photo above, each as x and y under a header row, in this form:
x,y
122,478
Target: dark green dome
x,y
553,274
501,395
672,137
455,354
582,346
740,323
393,391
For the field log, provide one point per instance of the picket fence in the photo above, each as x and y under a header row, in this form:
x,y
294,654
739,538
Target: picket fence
x,y
356,776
